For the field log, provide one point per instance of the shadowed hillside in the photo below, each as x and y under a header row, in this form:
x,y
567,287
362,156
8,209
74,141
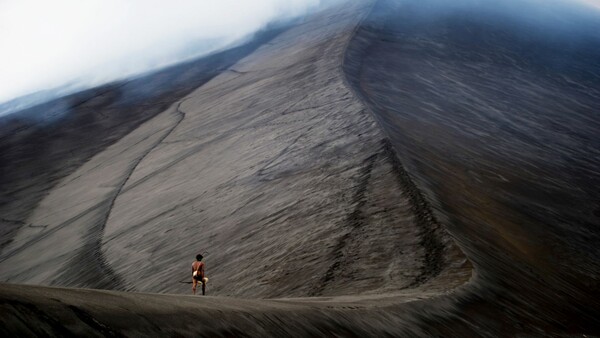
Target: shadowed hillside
x,y
328,174
495,116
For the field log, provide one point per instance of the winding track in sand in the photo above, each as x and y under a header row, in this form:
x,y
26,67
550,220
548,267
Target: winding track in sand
x,y
280,166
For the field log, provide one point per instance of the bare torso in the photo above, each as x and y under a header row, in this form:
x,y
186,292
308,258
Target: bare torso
x,y
198,266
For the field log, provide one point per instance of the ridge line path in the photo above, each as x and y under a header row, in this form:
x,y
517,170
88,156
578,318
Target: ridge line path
x,y
264,167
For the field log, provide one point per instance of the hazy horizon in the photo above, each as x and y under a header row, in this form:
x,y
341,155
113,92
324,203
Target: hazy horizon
x,y
84,44
77,45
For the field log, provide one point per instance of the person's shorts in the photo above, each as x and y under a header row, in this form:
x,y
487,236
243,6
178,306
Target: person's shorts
x,y
200,279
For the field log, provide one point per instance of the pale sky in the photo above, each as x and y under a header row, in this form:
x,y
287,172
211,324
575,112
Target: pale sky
x,y
49,43
594,3
45,44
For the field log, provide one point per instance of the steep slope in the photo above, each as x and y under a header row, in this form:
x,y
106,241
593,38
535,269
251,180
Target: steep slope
x,y
277,170
42,145
273,167
495,116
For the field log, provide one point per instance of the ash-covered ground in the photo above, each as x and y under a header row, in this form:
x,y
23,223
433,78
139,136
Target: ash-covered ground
x,y
494,110
331,167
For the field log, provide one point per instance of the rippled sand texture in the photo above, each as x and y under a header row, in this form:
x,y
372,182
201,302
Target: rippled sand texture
x,y
277,170
323,170
43,148
499,123
273,167
42,145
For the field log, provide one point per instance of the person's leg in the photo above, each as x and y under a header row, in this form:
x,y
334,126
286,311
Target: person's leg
x,y
203,288
194,283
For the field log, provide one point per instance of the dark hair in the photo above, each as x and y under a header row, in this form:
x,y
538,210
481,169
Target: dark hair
x,y
198,257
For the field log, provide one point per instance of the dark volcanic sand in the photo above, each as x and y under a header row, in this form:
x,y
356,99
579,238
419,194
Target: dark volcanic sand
x,y
277,170
280,166
498,120
41,145
274,167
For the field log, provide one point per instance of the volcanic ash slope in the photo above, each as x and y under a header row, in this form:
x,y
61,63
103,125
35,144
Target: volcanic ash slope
x,y
273,167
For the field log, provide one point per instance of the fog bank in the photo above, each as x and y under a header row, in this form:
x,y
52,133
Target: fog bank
x,y
78,44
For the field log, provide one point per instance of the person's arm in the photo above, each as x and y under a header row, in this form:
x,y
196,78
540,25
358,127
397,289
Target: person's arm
x,y
201,268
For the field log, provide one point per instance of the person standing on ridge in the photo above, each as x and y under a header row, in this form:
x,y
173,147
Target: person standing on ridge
x,y
198,274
